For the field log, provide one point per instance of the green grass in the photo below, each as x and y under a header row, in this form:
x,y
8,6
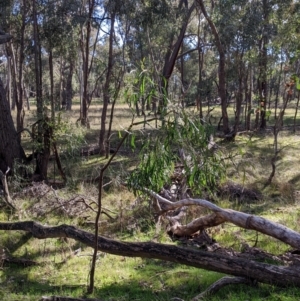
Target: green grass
x,y
119,278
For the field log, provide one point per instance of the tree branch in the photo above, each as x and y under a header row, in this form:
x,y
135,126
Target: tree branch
x,y
244,220
215,287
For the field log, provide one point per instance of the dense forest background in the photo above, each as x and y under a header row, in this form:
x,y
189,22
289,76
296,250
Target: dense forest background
x,y
171,105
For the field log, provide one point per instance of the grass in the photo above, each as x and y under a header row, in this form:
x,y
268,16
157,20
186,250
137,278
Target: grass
x,y
121,278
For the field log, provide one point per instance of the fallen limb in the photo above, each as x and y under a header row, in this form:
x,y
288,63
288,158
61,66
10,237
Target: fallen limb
x,y
220,215
58,298
215,287
21,261
232,265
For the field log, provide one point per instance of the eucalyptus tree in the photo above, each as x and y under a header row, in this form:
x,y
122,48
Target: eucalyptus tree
x,y
16,20
222,61
156,37
60,32
11,150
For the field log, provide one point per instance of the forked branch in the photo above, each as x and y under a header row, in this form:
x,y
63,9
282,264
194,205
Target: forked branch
x,y
220,215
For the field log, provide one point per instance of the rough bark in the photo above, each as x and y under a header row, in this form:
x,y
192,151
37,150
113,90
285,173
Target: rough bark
x,y
261,272
10,148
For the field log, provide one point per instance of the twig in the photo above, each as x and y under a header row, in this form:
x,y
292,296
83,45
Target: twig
x,y
220,284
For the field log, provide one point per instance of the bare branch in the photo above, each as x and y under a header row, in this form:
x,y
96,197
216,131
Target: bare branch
x,y
237,218
220,284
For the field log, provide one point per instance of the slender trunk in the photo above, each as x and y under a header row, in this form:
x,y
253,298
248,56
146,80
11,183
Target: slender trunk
x,y
278,89
37,71
26,97
51,85
69,87
296,111
246,80
200,68
59,98
263,80
239,98
171,57
8,85
103,143
43,137
222,65
116,94
14,76
19,99
85,98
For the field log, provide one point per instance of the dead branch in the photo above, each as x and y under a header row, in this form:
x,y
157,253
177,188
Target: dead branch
x,y
58,298
232,265
215,287
243,220
21,261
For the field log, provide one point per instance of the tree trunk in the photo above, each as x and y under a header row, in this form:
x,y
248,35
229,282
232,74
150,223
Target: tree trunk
x,y
263,63
19,99
10,148
200,68
104,143
239,95
222,64
51,85
38,72
86,69
69,87
171,57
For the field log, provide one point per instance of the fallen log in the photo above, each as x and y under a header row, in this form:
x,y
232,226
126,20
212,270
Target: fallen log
x,y
250,269
58,298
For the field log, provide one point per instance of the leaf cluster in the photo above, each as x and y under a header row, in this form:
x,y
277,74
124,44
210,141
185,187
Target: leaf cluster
x,y
181,143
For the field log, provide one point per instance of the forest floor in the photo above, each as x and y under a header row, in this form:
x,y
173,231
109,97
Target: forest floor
x,y
61,266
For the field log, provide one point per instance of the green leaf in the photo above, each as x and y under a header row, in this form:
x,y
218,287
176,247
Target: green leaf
x,y
132,141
